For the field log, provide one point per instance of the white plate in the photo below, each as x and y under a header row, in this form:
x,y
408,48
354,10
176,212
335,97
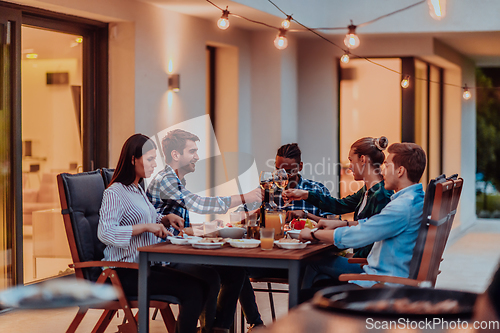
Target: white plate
x,y
178,241
244,243
207,246
290,246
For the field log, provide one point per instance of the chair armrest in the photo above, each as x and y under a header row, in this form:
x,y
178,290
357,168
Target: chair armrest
x,y
362,261
119,264
380,278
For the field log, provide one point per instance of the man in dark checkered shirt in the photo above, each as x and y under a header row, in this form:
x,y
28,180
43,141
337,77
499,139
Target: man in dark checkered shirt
x,y
288,157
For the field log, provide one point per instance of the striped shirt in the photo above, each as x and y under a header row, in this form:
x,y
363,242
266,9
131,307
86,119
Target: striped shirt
x,y
122,207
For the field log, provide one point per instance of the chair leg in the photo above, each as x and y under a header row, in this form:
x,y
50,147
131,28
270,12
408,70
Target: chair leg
x,y
77,320
242,323
271,301
168,319
155,313
104,321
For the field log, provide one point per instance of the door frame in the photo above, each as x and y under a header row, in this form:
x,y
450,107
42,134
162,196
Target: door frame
x,y
95,97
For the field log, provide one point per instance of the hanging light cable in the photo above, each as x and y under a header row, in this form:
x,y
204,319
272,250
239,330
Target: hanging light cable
x,y
281,42
223,22
466,95
351,40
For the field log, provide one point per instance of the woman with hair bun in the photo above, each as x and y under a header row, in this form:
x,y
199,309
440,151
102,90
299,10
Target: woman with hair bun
x,y
366,156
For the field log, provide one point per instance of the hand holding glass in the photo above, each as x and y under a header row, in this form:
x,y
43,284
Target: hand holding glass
x,y
281,180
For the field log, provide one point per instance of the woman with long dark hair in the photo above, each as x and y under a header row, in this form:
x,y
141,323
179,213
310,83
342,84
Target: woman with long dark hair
x,y
129,221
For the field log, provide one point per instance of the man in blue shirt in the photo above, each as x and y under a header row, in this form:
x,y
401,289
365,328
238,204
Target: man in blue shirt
x,y
394,230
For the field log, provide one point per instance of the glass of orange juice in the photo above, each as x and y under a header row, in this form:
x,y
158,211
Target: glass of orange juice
x,y
266,238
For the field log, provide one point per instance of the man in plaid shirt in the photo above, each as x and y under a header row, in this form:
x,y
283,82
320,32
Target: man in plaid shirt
x,y
167,191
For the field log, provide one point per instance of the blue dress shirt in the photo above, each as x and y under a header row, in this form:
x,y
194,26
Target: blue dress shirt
x,y
394,231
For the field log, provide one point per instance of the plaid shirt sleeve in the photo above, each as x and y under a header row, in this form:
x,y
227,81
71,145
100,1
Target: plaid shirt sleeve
x,y
323,190
170,196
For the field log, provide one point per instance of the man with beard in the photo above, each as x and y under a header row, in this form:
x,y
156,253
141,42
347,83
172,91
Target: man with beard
x,y
168,193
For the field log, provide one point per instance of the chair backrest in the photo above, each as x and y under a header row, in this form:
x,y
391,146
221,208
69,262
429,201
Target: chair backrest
x,y
441,200
107,174
81,197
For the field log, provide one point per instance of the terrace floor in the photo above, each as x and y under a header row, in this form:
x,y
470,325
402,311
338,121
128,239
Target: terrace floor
x,y
469,262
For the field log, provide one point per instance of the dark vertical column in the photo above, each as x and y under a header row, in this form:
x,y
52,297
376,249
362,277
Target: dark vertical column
x,y
428,125
408,101
211,113
441,118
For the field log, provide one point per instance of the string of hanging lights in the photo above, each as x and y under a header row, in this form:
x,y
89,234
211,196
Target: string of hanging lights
x,y
351,40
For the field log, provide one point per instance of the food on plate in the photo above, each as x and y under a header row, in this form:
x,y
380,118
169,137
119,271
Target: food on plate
x,y
288,240
299,224
404,305
186,231
235,225
213,240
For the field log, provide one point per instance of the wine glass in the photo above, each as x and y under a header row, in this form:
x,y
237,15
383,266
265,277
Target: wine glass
x,y
281,180
266,180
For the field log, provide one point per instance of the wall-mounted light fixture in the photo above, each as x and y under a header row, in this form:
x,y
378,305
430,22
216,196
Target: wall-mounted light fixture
x,y
174,82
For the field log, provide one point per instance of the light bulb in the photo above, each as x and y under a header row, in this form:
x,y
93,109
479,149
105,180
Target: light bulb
x,y
467,95
286,22
345,58
437,8
281,42
351,40
223,22
405,83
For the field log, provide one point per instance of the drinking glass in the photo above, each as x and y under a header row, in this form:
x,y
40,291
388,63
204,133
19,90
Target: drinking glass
x,y
252,227
266,180
266,238
281,180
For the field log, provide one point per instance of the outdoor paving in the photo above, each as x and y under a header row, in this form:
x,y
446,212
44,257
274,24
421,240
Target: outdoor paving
x,y
469,262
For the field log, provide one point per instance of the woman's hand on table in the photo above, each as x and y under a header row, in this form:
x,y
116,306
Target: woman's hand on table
x,y
294,194
157,229
173,220
305,235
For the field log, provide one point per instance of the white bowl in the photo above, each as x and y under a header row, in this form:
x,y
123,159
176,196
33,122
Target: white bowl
x,y
178,240
231,232
293,233
244,243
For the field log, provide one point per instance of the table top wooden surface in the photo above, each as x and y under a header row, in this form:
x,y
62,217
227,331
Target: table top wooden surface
x,y
228,251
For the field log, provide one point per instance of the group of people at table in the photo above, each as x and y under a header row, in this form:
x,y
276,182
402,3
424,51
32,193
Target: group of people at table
x,y
387,215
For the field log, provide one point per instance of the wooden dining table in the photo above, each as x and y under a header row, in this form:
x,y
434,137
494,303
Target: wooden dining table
x,y
292,260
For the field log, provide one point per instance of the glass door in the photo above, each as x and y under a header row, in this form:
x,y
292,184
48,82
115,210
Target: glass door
x,y
7,244
51,86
